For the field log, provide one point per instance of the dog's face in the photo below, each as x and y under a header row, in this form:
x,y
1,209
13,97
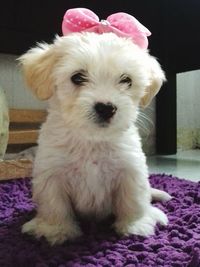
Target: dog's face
x,y
96,81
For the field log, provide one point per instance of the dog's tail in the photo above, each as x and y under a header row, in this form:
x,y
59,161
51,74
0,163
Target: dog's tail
x,y
157,194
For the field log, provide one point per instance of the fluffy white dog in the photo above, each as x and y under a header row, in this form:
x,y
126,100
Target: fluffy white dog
x,y
90,159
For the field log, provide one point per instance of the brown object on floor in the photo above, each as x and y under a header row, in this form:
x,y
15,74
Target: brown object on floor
x,y
12,169
24,125
23,132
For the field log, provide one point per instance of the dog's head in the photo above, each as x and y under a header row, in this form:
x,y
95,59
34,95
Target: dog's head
x,y
97,82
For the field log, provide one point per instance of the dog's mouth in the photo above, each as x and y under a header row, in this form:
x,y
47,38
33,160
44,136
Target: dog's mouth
x,y
102,123
99,122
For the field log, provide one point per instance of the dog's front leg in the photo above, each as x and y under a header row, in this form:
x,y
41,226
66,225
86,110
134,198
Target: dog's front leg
x,y
132,207
55,219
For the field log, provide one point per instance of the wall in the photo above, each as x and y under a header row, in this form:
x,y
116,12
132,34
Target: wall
x,y
11,80
188,110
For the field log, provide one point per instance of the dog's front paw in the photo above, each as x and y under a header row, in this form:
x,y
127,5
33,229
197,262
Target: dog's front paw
x,y
144,226
54,233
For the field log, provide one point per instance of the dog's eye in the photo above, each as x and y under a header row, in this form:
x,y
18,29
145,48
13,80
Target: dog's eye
x,y
78,78
126,79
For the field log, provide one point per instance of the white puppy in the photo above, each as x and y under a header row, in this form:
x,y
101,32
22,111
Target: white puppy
x,y
89,159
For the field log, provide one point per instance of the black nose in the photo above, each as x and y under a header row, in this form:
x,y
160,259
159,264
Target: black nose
x,y
105,111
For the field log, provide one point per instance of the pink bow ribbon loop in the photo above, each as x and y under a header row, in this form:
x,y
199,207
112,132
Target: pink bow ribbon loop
x,y
122,24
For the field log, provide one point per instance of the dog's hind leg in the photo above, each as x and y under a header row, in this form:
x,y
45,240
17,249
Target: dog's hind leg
x,y
133,210
157,194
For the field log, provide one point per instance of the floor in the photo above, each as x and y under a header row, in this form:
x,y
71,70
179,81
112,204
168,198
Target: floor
x,y
185,164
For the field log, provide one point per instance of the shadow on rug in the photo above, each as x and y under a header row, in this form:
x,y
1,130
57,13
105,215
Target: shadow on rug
x,y
177,245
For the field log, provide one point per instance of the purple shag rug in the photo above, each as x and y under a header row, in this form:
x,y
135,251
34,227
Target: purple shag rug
x,y
177,245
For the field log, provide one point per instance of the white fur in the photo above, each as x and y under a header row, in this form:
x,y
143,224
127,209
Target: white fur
x,y
81,167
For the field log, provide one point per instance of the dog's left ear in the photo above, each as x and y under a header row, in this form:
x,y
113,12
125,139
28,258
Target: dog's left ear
x,y
37,65
156,79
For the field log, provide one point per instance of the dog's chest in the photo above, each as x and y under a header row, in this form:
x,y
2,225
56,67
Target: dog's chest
x,y
93,178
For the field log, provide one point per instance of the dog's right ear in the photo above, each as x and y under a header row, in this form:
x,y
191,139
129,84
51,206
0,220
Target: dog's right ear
x,y
37,65
156,79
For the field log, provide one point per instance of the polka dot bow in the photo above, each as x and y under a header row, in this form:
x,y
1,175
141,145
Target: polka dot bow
x,y
122,24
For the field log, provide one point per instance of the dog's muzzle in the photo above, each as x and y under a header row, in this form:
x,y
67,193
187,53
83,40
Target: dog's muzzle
x,y
104,111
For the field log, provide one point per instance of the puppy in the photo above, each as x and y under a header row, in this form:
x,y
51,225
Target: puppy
x,y
89,160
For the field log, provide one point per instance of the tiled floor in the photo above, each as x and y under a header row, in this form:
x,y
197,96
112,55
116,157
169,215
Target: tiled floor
x,y
185,164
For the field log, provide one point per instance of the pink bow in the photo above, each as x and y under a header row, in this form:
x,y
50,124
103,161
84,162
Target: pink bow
x,y
122,24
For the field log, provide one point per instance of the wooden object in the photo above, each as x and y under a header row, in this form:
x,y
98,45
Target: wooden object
x,y
27,136
26,116
24,126
12,169
25,129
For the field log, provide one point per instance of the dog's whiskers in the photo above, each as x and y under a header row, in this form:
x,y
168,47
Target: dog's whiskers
x,y
144,123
